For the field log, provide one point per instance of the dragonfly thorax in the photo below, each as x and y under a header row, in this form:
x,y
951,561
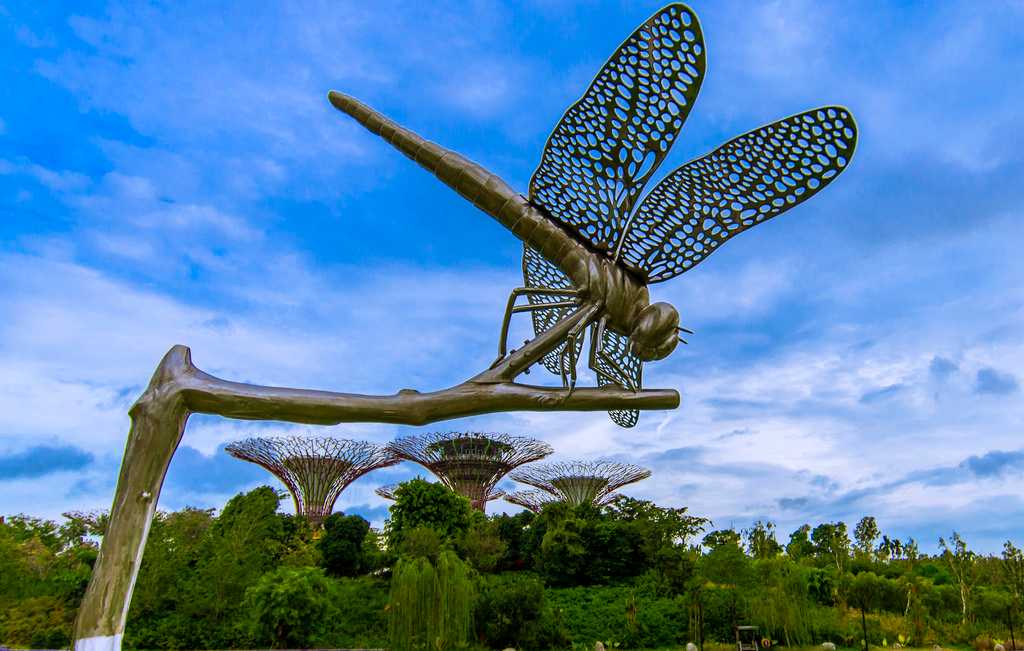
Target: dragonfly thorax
x,y
651,327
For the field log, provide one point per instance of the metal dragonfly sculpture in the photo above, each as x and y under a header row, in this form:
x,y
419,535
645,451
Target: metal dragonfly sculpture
x,y
592,245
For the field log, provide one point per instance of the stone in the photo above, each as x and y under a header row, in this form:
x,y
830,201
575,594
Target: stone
x,y
999,647
828,646
599,646
690,646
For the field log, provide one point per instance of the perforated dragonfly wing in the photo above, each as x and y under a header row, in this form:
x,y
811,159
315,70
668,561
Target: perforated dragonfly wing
x,y
539,272
617,365
746,181
608,143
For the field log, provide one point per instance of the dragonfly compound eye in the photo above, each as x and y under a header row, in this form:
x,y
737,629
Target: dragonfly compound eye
x,y
654,336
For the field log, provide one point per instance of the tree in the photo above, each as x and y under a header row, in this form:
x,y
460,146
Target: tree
x,y
889,549
832,542
799,545
866,533
341,544
864,591
419,503
911,553
761,542
661,525
289,606
725,563
962,565
243,543
563,555
481,545
721,538
431,604
1013,570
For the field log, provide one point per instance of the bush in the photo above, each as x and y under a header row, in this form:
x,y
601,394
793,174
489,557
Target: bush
x,y
289,607
511,612
360,619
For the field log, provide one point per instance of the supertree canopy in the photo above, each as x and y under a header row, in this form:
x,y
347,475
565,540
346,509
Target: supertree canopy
x,y
388,492
315,469
470,463
535,500
574,482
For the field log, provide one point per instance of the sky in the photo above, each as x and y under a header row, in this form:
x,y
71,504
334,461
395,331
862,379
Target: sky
x,y
172,173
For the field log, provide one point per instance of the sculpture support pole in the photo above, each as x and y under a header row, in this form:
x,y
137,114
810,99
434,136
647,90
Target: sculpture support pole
x,y
179,389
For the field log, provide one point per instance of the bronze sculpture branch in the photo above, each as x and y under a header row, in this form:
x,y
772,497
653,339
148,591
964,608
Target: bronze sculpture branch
x,y
179,389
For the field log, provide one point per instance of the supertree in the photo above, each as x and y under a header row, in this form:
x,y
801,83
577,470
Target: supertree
x,y
316,469
534,500
574,482
388,492
470,463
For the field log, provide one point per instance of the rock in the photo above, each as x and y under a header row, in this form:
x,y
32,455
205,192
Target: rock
x,y
828,646
999,647
690,646
599,646
936,648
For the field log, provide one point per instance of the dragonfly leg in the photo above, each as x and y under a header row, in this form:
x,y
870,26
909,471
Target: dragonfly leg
x,y
598,356
512,308
567,360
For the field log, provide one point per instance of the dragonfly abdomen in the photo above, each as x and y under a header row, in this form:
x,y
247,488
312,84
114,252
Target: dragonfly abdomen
x,y
599,279
485,190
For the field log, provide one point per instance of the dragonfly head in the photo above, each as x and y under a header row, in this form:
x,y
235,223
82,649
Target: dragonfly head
x,y
654,336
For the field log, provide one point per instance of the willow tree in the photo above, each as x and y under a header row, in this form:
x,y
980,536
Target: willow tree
x,y
431,604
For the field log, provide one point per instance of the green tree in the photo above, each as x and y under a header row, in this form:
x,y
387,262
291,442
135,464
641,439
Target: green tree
x,y
962,564
563,558
341,544
515,533
761,542
244,542
865,591
509,611
800,545
431,604
832,543
419,503
289,607
481,545
866,533
725,563
163,609
1013,570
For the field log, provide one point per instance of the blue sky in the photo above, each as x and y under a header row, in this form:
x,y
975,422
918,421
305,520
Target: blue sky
x,y
172,173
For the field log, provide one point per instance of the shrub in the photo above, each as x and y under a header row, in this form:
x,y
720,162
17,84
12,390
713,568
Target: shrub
x,y
289,607
513,611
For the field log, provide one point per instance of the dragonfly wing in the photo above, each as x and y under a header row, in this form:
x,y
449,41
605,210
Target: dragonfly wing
x,y
746,181
618,366
608,143
539,272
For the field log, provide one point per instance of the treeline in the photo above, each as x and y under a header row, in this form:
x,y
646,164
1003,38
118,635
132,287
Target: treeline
x,y
631,574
